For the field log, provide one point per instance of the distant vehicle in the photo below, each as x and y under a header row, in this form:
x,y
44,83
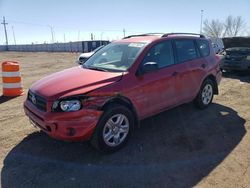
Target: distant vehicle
x,y
84,56
236,55
122,83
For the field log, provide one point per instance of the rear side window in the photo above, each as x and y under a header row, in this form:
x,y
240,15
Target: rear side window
x,y
185,50
161,53
203,47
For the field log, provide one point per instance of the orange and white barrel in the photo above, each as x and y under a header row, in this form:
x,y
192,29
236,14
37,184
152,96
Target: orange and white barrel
x,y
12,85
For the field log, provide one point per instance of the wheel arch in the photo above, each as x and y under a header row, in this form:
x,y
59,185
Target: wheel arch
x,y
122,100
213,79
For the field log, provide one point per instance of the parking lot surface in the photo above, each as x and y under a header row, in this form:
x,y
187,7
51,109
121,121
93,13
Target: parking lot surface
x,y
182,147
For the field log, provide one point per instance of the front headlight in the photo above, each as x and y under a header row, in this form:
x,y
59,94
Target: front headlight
x,y
70,105
67,105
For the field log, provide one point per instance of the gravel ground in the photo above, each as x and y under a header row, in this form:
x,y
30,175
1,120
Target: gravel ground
x,y
182,147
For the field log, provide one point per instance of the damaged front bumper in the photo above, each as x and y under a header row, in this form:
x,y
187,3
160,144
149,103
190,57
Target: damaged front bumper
x,y
68,126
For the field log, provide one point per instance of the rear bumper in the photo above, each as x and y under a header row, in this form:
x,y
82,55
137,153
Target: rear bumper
x,y
67,126
218,76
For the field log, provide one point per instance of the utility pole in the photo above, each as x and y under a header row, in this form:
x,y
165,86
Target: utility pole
x,y
64,38
78,38
14,37
201,21
92,37
52,34
4,25
124,32
101,38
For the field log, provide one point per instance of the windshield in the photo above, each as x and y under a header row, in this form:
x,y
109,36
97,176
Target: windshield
x,y
115,57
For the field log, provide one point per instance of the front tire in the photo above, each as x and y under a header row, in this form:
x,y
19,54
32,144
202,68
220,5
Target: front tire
x,y
113,129
205,95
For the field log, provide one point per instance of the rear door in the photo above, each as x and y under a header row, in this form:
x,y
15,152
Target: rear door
x,y
191,69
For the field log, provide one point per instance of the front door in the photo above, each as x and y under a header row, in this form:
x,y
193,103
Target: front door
x,y
155,90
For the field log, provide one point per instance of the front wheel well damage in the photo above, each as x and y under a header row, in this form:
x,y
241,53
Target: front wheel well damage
x,y
120,100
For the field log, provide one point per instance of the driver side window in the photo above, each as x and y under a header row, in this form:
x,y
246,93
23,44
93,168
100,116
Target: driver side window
x,y
161,53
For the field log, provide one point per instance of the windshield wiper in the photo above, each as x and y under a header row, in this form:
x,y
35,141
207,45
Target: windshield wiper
x,y
96,68
84,66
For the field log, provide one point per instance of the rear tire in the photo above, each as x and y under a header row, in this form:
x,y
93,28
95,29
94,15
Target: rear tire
x,y
205,95
113,129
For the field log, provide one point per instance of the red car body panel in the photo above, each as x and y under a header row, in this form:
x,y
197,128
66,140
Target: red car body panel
x,y
73,81
149,94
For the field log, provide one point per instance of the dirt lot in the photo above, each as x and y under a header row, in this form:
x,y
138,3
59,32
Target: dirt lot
x,y
182,147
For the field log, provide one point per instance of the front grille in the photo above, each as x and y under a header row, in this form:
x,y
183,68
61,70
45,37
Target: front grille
x,y
236,58
233,63
38,101
232,66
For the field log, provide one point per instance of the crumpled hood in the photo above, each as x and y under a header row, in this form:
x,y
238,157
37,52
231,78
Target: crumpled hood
x,y
236,42
76,80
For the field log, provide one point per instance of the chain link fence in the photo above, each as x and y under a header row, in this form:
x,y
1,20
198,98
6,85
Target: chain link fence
x,y
81,46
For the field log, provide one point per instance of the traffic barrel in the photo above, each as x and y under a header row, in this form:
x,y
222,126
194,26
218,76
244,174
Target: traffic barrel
x,y
12,86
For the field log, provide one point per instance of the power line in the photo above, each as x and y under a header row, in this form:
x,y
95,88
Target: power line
x,y
4,25
64,27
27,23
53,27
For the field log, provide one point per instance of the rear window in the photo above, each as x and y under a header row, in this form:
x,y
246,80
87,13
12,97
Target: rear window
x,y
203,47
185,50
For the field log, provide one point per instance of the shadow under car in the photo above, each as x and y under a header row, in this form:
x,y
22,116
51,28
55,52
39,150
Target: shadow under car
x,y
176,148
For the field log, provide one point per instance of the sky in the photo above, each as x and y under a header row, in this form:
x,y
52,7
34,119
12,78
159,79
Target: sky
x,y
34,21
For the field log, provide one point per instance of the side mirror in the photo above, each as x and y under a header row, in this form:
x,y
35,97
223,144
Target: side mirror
x,y
150,67
147,67
80,62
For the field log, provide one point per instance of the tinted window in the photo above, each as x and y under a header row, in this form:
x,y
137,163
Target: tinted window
x,y
204,47
185,50
161,53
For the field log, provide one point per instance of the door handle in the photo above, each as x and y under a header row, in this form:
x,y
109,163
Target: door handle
x,y
203,66
175,73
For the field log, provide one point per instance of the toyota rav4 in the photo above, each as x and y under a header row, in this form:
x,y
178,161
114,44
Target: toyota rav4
x,y
122,83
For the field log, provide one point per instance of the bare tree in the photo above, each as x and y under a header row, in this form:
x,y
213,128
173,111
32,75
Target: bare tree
x,y
231,27
234,26
214,28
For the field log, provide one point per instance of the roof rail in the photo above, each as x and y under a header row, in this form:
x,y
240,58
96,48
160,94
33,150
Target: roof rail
x,y
195,34
145,34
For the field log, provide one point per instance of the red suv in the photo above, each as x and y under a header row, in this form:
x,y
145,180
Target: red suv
x,y
124,82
